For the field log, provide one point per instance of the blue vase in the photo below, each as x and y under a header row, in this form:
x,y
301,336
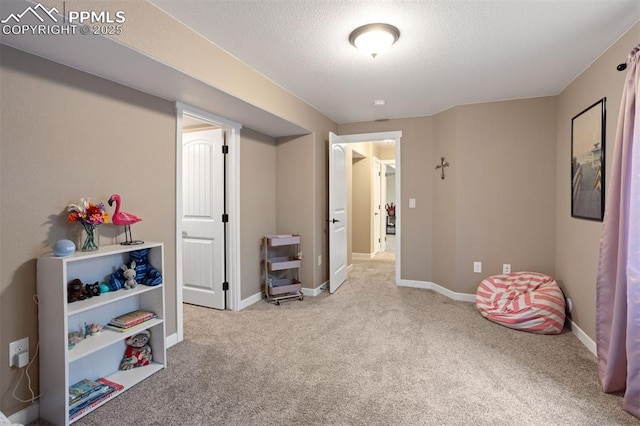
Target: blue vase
x,y
62,248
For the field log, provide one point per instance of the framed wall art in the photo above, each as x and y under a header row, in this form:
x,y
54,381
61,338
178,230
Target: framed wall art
x,y
588,162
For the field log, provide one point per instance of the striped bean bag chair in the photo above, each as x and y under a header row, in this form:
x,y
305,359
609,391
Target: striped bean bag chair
x,y
526,301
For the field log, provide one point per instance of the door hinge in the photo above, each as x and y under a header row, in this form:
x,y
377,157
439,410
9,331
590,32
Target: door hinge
x,y
225,286
225,149
225,218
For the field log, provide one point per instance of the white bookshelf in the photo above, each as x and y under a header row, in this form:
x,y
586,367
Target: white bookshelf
x,y
100,355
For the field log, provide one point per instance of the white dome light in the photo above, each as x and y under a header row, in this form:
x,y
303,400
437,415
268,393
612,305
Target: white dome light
x,y
374,39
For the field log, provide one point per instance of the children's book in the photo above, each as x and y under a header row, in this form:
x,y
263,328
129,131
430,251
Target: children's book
x,y
131,318
116,386
122,329
98,392
83,388
111,389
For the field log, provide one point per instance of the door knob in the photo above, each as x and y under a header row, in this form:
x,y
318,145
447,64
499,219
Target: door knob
x,y
334,221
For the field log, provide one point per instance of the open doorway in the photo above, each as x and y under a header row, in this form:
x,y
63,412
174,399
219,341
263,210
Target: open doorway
x,y
369,191
207,202
351,159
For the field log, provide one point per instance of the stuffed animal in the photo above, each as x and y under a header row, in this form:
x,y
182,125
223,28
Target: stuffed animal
x,y
145,273
138,351
92,289
129,274
75,291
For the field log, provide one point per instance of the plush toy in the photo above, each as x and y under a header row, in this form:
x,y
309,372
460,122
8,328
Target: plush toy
x,y
138,351
92,289
116,281
145,273
75,291
129,274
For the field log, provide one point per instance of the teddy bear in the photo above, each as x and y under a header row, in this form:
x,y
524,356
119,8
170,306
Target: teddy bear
x,y
129,274
145,273
75,291
138,351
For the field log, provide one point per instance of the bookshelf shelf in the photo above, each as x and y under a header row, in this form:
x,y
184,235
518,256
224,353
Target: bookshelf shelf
x,y
106,338
97,356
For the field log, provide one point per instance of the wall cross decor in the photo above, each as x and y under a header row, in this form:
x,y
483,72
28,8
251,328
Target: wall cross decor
x,y
441,166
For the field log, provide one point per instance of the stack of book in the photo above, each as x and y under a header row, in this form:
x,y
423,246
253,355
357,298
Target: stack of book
x,y
88,394
129,320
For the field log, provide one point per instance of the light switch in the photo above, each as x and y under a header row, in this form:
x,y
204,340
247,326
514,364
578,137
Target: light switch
x,y
412,203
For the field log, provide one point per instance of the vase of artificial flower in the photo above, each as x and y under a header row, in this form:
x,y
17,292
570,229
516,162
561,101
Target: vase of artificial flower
x,y
90,215
91,237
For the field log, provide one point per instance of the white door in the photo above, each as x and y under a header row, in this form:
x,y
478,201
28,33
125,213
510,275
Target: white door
x,y
337,212
377,211
202,226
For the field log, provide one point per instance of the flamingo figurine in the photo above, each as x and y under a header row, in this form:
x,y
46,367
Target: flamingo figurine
x,y
125,219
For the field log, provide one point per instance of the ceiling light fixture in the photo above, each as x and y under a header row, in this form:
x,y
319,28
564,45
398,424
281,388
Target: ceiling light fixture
x,y
374,39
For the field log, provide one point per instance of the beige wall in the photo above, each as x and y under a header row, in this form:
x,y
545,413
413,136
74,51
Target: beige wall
x,y
577,240
495,204
257,203
361,222
295,200
416,179
66,135
387,152
505,175
444,224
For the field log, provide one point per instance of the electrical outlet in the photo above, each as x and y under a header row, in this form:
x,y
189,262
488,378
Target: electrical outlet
x,y
17,347
506,268
477,267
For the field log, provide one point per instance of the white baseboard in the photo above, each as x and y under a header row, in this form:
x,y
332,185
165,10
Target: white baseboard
x,y
462,297
245,303
313,292
171,340
584,338
26,415
362,256
415,284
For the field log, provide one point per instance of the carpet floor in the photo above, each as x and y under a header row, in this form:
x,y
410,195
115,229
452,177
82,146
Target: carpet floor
x,y
370,354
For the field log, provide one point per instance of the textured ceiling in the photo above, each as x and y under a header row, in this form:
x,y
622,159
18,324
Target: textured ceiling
x,y
450,52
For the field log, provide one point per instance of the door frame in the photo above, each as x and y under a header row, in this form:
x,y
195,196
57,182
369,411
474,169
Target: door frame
x,y
232,130
397,137
377,180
